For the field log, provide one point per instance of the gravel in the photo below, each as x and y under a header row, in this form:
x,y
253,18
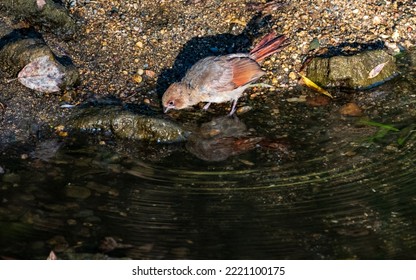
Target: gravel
x,y
121,39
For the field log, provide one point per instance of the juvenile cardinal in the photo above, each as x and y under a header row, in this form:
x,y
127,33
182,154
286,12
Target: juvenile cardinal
x,y
218,79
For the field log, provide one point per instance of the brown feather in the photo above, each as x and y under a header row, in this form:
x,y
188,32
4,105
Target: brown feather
x,y
245,71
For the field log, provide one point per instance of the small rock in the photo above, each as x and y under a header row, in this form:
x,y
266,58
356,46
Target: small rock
x,y
180,252
299,99
244,109
376,20
351,109
71,222
150,73
12,178
137,78
293,76
314,44
139,44
318,100
77,192
98,187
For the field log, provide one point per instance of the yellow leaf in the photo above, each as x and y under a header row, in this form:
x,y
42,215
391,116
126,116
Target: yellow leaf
x,y
314,86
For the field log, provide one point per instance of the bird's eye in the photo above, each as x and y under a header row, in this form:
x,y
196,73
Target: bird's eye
x,y
171,103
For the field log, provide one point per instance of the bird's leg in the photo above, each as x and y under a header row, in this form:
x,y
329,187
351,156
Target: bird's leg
x,y
233,108
206,106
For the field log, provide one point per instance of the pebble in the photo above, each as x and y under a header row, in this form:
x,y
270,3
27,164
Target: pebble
x,y
12,178
139,44
299,99
98,187
77,192
318,100
293,76
137,78
351,109
71,222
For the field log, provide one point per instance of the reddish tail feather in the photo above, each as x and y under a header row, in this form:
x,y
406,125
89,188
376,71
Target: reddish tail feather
x,y
269,45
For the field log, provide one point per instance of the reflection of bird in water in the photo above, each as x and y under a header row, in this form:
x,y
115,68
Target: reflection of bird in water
x,y
218,79
224,137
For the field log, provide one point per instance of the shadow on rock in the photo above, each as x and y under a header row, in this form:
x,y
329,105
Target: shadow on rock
x,y
200,47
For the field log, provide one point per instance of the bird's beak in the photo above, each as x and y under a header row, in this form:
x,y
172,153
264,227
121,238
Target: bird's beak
x,y
166,110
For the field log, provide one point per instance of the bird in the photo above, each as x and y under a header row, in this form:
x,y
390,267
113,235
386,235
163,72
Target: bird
x,y
223,78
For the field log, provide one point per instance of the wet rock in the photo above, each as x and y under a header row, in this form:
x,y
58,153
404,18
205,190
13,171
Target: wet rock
x,y
47,13
19,48
58,243
111,243
180,252
11,178
126,124
77,192
318,100
351,109
352,71
98,187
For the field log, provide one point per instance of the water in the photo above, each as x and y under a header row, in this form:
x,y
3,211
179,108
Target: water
x,y
345,190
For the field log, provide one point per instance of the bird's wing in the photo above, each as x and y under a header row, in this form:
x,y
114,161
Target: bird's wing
x,y
223,73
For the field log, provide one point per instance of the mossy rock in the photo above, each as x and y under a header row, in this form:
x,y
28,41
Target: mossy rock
x,y
352,71
128,125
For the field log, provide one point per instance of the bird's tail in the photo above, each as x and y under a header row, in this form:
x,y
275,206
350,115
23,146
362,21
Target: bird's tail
x,y
269,45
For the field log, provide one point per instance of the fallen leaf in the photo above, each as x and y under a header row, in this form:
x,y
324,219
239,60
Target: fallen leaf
x,y
42,74
310,84
376,70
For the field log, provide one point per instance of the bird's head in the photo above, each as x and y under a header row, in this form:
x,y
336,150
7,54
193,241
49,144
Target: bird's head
x,y
175,97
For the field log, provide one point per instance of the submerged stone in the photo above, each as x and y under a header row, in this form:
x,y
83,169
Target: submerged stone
x,y
77,192
126,124
352,71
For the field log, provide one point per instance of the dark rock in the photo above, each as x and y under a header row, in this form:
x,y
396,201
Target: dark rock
x,y
51,14
20,47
